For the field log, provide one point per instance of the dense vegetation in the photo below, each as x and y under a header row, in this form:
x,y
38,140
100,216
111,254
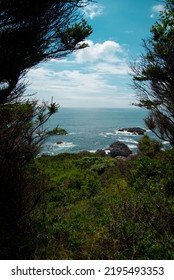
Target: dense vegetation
x,y
98,207
91,206
31,32
153,75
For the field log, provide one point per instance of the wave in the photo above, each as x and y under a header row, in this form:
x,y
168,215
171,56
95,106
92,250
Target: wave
x,y
64,145
75,133
166,142
128,140
131,146
118,133
54,148
125,133
92,151
106,134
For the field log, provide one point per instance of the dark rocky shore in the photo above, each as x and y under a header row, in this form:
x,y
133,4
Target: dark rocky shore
x,y
116,149
119,149
134,130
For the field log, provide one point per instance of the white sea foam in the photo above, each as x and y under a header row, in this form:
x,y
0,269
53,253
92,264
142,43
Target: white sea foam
x,y
110,133
165,142
106,134
124,133
131,146
53,148
128,140
118,133
75,133
64,145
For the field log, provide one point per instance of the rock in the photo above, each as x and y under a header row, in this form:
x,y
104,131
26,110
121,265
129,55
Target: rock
x,y
134,130
59,142
119,149
100,152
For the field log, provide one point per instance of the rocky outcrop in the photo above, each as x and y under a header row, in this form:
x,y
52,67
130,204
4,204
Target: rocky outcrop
x,y
59,142
134,130
118,149
100,152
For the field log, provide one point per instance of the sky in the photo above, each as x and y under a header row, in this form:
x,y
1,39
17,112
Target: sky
x,y
99,76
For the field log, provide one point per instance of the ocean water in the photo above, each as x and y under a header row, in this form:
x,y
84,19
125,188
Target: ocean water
x,y
91,129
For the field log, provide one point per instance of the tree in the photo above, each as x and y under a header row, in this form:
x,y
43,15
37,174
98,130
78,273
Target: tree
x,y
21,135
32,31
153,76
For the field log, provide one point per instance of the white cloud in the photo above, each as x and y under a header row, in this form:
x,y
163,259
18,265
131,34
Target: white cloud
x,y
93,10
96,76
67,83
121,68
74,88
106,51
156,9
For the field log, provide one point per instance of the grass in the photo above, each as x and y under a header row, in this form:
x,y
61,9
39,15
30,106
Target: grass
x,y
97,207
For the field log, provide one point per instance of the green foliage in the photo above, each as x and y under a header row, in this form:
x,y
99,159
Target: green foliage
x,y
96,164
149,147
76,34
153,77
154,174
84,213
19,198
111,214
30,32
152,178
57,131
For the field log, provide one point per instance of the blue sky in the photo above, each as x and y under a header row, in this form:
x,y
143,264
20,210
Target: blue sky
x,y
99,76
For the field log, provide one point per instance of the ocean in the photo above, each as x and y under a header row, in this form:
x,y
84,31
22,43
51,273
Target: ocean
x,y
90,129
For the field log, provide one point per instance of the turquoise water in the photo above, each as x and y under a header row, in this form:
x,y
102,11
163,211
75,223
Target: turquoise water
x,y
92,129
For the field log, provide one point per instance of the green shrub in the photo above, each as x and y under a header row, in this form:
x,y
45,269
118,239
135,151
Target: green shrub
x,y
155,174
149,147
96,164
108,214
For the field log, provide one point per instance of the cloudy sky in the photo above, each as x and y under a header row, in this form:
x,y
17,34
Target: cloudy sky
x,y
99,76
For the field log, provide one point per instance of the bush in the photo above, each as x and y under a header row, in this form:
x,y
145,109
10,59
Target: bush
x,y
96,164
149,147
154,174
105,215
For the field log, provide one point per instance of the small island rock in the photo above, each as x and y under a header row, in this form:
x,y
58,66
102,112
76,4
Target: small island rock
x,y
119,149
134,130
